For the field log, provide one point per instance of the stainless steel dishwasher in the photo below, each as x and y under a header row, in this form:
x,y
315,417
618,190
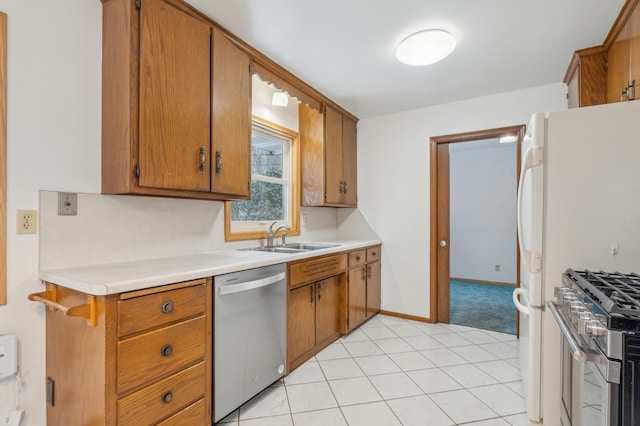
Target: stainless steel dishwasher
x,y
250,331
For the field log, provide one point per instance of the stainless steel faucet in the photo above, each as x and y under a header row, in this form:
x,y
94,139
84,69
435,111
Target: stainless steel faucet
x,y
271,233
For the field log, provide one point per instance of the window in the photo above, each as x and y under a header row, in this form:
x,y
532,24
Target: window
x,y
274,185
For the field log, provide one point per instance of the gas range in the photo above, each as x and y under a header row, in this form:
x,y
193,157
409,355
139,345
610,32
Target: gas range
x,y
601,307
599,316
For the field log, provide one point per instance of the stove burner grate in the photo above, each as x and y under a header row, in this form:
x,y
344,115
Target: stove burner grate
x,y
617,293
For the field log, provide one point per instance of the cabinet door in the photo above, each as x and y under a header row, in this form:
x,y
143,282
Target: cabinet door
x,y
333,157
635,49
349,164
357,301
374,282
231,126
300,322
175,98
618,70
327,309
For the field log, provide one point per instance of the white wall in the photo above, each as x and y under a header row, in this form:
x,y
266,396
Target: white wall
x,y
393,176
483,210
54,79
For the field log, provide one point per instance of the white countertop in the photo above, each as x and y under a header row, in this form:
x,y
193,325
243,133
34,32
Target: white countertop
x,y
112,278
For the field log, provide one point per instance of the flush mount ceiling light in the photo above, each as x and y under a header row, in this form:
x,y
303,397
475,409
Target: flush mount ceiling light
x,y
280,99
425,47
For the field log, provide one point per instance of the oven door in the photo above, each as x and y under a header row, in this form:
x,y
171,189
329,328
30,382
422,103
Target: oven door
x,y
590,382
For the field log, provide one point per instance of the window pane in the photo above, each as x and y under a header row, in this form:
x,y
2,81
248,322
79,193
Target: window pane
x,y
268,202
267,156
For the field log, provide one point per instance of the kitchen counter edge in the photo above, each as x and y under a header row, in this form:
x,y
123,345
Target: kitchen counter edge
x,y
120,277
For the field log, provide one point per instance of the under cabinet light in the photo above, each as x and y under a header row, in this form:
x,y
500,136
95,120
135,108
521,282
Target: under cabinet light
x,y
280,99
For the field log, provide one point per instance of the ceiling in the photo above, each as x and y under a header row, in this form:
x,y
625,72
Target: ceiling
x,y
346,48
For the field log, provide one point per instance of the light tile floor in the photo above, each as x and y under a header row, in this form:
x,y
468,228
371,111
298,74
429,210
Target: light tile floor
x,y
393,371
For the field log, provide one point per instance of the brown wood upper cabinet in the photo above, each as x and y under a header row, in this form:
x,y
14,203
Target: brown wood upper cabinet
x,y
586,78
609,72
176,113
328,157
623,73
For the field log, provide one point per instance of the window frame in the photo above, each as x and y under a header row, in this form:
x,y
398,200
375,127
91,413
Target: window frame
x,y
294,195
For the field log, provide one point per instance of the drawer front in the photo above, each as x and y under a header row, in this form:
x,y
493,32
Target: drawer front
x,y
163,398
374,253
145,357
144,312
357,258
316,269
192,415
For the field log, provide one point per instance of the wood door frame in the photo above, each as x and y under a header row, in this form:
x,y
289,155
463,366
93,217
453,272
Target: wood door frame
x,y
439,163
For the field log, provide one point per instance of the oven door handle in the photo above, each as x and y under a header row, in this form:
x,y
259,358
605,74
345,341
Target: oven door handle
x,y
574,347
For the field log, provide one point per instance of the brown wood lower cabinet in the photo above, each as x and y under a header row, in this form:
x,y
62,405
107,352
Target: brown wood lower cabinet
x,y
314,307
364,285
147,360
313,317
330,296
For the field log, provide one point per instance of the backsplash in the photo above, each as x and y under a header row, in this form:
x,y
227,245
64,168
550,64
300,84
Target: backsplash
x,y
116,228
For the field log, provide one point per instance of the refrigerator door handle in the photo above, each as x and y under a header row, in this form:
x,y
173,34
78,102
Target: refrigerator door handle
x,y
533,157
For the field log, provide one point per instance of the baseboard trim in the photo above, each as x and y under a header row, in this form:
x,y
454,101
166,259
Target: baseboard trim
x,y
469,280
406,316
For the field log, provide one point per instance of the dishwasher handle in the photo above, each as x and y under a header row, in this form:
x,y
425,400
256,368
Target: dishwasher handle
x,y
251,285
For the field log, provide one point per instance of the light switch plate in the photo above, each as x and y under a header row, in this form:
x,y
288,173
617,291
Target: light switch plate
x,y
8,355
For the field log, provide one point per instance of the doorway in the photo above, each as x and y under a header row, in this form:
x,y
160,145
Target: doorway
x,y
440,213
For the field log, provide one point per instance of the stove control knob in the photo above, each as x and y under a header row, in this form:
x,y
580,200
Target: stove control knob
x,y
595,329
583,319
568,297
575,308
564,295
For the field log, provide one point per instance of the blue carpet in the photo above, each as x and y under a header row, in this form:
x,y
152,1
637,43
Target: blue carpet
x,y
485,306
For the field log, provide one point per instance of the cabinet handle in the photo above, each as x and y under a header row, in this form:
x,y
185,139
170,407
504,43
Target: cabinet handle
x,y
373,253
311,292
368,271
167,397
357,258
364,274
631,91
345,186
167,307
166,350
218,161
319,291
203,158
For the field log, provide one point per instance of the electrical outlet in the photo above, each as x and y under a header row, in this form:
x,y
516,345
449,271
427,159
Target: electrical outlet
x,y
27,222
305,219
497,268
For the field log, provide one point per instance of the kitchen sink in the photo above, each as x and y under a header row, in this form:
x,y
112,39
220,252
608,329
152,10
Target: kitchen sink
x,y
294,247
309,246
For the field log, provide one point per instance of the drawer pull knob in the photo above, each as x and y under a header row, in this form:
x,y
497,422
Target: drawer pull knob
x,y
374,253
357,258
167,397
167,307
166,350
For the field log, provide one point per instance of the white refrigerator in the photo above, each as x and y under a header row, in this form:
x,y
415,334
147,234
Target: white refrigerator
x,y
578,207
